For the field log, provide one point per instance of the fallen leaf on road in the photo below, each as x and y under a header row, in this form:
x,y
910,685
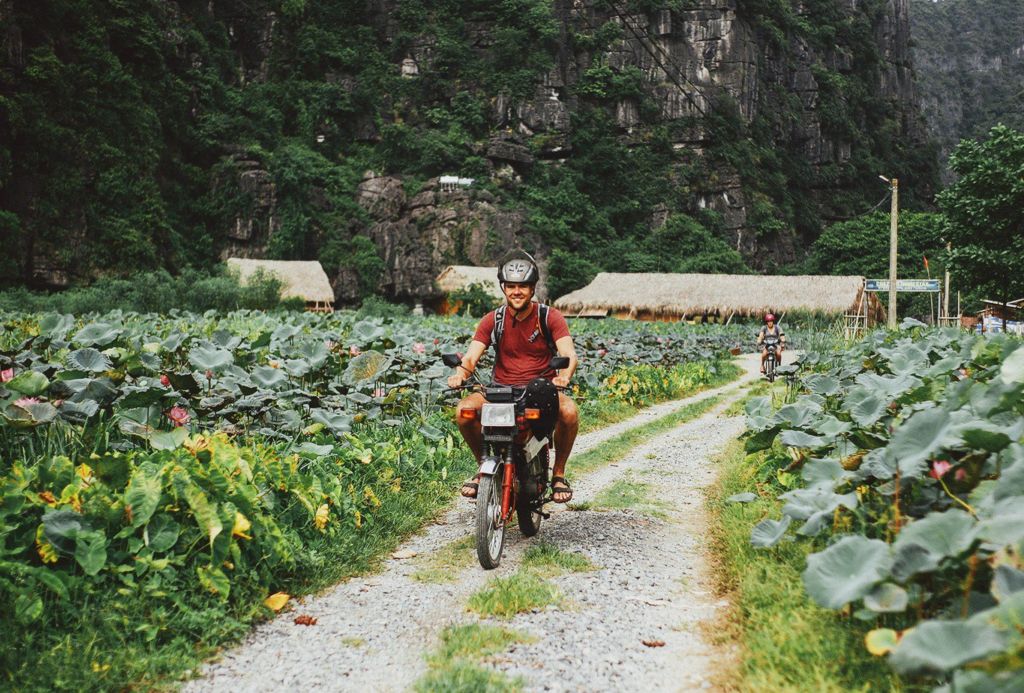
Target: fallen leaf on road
x,y
276,601
305,620
653,643
403,553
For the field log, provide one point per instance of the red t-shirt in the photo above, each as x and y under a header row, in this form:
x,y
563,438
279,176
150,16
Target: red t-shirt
x,y
524,351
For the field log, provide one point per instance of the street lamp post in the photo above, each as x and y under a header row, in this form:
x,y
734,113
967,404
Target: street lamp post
x,y
893,220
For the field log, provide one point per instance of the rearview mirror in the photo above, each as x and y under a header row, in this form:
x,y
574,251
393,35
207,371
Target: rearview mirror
x,y
559,362
450,360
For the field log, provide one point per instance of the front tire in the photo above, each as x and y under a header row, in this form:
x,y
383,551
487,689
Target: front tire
x,y
490,532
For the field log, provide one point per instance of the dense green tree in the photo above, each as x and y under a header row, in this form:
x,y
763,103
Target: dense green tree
x,y
985,213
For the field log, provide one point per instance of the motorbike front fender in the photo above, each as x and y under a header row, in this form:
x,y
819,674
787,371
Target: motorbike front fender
x,y
489,465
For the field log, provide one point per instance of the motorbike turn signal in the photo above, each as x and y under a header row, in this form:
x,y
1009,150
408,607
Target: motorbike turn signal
x,y
469,413
532,414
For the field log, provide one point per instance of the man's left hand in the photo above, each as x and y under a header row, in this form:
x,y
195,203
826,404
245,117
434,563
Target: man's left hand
x,y
560,381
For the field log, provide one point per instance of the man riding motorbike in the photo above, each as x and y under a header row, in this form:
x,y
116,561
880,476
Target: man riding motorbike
x,y
770,329
524,333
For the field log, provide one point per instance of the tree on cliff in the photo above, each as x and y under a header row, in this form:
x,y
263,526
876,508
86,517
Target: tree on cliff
x,y
984,220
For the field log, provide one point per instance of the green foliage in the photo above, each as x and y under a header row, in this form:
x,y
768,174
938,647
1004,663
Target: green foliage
x,y
475,300
861,246
983,209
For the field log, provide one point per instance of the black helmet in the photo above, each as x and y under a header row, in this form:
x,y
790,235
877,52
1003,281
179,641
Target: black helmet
x,y
518,267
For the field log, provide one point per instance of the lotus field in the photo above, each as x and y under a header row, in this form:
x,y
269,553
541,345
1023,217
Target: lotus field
x,y
163,472
901,458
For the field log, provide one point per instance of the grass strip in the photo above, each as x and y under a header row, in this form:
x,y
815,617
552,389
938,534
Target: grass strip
x,y
618,447
454,667
547,560
518,593
627,493
787,642
445,564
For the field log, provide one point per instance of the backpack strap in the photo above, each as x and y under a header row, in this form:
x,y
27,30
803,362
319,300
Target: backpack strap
x,y
498,330
545,329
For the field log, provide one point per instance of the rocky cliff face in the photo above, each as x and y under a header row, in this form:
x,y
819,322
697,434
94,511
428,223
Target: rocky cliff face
x,y
969,58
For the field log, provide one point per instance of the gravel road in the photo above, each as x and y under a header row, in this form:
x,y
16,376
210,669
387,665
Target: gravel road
x,y
652,583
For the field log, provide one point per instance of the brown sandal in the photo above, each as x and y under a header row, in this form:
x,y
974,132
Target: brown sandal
x,y
469,488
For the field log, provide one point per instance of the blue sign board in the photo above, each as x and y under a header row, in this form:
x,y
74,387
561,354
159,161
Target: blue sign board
x,y
929,285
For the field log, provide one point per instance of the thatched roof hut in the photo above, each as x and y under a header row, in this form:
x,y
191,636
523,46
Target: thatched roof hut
x,y
302,279
652,296
454,278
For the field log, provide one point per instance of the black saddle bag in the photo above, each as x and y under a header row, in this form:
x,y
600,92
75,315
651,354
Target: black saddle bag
x,y
543,395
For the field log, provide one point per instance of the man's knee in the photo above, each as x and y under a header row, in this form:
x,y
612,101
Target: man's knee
x,y
568,414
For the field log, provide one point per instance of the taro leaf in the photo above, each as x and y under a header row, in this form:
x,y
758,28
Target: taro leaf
x,y
336,421
975,681
799,414
886,598
1004,522
296,368
741,497
284,332
865,407
941,646
210,358
89,359
918,438
96,334
799,439
205,512
61,528
268,377
1012,370
163,532
214,580
431,433
143,493
314,451
368,366
55,326
767,533
846,571
825,473
29,383
887,387
359,398
91,551
822,384
366,332
28,608
942,535
167,440
1006,581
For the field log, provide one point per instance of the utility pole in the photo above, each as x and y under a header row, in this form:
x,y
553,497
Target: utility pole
x,y
893,220
945,297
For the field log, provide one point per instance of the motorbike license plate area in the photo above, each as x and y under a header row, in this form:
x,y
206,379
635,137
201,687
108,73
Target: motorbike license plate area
x,y
501,415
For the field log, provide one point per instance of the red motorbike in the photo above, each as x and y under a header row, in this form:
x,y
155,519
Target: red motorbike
x,y
518,422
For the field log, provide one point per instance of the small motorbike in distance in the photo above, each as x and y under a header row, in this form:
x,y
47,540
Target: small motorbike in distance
x,y
771,343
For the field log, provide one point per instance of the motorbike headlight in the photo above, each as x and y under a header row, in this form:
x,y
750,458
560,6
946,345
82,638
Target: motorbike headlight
x,y
498,415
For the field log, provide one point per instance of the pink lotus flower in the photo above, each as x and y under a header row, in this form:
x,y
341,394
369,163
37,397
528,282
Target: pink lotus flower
x,y
165,381
602,352
354,350
437,340
960,475
379,392
26,401
419,348
209,374
939,469
6,375
178,415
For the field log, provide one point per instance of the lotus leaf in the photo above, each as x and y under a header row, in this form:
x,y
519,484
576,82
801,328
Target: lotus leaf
x,y
986,435
941,646
96,334
360,398
78,412
802,503
886,387
767,533
1003,524
1012,370
799,414
942,535
878,464
975,681
919,438
89,359
741,497
167,440
29,414
29,383
210,358
337,422
268,377
823,473
865,406
886,598
366,332
762,440
822,384
846,571
831,428
800,439
368,366
911,323
55,326
1006,581
283,333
